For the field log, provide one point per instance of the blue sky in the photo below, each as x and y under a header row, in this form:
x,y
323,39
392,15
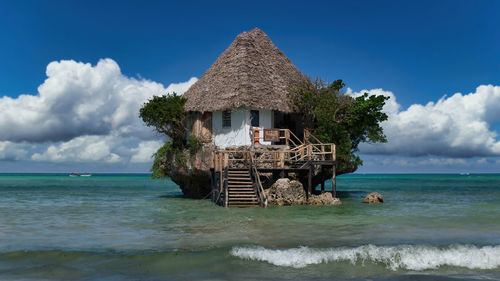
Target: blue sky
x,y
416,51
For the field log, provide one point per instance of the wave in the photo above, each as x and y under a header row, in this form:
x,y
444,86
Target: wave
x,y
407,257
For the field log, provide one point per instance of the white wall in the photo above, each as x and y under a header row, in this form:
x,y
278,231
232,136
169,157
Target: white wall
x,y
266,122
239,133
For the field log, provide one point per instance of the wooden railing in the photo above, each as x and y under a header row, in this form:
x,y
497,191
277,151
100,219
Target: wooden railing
x,y
258,184
286,137
272,159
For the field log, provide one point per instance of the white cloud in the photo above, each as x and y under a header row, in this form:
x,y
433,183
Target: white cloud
x,y
12,151
456,126
81,149
82,113
182,87
80,99
144,151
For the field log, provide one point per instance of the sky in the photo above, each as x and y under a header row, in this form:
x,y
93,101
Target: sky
x,y
73,75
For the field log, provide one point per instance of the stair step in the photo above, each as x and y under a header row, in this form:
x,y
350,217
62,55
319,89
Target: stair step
x,y
245,185
241,191
237,182
242,195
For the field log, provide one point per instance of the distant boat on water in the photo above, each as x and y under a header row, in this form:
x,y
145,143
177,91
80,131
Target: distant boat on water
x,y
76,174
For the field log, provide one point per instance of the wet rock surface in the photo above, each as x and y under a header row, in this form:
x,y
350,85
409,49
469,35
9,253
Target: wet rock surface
x,y
286,192
324,199
373,198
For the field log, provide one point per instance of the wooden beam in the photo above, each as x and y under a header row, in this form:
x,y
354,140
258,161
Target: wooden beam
x,y
334,183
309,182
322,180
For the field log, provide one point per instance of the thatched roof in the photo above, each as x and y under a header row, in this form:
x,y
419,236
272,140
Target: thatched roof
x,y
252,72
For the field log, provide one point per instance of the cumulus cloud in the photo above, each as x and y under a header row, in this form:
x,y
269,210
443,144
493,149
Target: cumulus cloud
x,y
82,113
144,151
456,126
79,99
13,151
81,149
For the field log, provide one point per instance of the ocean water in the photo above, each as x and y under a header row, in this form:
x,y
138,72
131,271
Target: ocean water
x,y
130,227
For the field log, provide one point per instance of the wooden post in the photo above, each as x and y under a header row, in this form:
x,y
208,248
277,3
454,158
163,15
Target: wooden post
x,y
220,172
334,183
323,152
287,136
282,159
333,151
226,192
275,159
322,179
309,182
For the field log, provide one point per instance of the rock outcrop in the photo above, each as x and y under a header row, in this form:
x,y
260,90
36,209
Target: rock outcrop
x,y
192,172
285,192
324,199
373,198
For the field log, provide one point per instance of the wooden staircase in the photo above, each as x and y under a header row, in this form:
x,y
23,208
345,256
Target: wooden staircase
x,y
241,190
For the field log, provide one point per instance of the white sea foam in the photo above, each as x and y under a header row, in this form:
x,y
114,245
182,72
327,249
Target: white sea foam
x,y
398,257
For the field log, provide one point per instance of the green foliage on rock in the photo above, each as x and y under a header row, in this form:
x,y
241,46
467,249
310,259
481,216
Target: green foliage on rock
x,y
166,114
159,157
166,158
335,117
195,144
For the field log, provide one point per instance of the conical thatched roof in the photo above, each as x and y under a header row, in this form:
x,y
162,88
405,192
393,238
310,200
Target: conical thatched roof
x,y
252,72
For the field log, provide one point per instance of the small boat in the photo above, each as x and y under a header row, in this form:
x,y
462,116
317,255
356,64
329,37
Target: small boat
x,y
76,174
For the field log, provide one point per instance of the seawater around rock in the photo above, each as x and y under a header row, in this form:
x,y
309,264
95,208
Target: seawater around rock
x,y
285,192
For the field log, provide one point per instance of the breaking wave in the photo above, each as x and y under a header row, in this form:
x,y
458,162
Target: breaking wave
x,y
398,257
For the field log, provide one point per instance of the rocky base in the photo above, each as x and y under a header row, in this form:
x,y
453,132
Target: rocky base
x,y
193,177
286,192
194,183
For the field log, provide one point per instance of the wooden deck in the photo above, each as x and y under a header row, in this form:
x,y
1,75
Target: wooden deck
x,y
236,174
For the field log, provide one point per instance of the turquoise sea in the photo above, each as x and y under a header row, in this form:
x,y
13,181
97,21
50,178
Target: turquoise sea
x,y
130,227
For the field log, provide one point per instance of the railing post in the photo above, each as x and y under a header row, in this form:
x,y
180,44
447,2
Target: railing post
x,y
323,152
287,136
220,173
334,182
226,193
282,159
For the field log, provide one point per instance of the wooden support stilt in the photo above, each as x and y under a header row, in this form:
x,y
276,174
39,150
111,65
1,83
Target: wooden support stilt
x,y
309,182
322,180
334,183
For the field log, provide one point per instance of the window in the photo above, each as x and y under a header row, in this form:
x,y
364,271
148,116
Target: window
x,y
254,115
226,119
